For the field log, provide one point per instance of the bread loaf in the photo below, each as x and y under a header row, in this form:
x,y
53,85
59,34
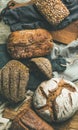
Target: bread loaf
x,y
53,10
14,77
29,120
29,43
41,67
56,100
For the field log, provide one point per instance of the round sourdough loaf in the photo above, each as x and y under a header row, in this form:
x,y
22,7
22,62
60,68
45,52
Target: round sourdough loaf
x,y
56,100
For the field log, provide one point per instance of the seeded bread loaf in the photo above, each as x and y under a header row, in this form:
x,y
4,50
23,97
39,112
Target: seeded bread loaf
x,y
14,77
29,43
56,100
29,120
53,10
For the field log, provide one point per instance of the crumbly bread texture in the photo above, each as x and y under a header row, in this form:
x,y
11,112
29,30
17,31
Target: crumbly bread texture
x,y
29,120
56,100
53,10
29,43
41,67
14,77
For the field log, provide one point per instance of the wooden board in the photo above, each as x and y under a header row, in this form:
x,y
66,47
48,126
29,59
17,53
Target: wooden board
x,y
66,35
71,124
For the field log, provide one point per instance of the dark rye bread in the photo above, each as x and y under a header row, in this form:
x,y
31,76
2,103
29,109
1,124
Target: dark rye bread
x,y
29,43
29,120
41,67
14,77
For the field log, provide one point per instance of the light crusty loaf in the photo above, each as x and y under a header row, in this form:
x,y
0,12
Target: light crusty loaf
x,y
29,120
14,77
29,43
41,67
53,10
56,100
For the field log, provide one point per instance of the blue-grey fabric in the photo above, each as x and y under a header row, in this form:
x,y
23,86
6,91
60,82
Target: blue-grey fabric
x,y
70,54
4,56
28,17
25,17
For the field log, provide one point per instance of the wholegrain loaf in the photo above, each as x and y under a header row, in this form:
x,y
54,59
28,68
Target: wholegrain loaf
x,y
14,77
29,43
53,10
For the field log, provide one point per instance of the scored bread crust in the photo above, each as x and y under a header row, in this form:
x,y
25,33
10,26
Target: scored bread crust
x,y
54,98
14,77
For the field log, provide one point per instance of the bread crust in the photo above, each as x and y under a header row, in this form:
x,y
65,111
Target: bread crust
x,y
41,67
14,77
29,120
54,12
54,98
29,43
